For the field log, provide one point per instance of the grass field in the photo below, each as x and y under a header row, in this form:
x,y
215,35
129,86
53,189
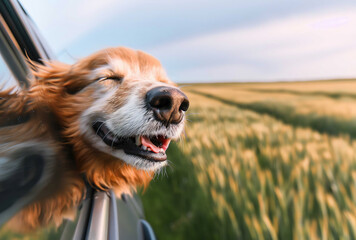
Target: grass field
x,y
261,161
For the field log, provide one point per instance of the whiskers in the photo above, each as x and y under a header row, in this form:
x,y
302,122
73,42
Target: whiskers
x,y
191,114
112,143
115,143
113,139
160,173
102,124
170,165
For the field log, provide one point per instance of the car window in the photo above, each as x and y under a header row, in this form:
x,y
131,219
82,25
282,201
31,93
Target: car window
x,y
100,213
13,69
7,80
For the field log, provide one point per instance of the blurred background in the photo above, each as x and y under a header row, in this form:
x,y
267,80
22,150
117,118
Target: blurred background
x,y
210,41
270,150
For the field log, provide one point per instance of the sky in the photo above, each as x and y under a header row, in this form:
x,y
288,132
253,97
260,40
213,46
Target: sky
x,y
210,41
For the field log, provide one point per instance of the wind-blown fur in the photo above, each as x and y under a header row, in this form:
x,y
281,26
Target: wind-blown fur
x,y
56,114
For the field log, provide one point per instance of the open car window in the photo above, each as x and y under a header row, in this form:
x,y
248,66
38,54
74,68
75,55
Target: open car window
x,y
15,41
20,41
7,80
100,215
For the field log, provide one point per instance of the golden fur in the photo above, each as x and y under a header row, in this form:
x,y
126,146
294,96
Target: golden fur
x,y
54,103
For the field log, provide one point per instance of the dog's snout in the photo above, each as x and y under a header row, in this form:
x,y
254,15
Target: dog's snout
x,y
168,104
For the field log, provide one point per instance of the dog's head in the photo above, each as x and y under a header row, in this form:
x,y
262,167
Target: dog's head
x,y
119,109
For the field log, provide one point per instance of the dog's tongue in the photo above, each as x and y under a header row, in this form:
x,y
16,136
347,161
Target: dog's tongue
x,y
147,142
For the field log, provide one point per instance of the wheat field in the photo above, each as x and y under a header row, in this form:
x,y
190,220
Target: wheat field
x,y
262,164
258,161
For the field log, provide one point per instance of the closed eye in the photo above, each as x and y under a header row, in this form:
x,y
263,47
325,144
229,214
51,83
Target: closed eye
x,y
115,78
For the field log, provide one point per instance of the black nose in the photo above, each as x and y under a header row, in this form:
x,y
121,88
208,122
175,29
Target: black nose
x,y
168,104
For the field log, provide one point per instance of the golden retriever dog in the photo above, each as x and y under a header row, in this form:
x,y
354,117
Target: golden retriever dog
x,y
107,119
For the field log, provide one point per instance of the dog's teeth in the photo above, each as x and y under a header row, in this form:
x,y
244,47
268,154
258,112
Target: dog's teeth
x,y
138,140
161,150
149,149
144,148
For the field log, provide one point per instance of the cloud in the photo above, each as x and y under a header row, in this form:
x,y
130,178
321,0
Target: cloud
x,y
228,40
313,45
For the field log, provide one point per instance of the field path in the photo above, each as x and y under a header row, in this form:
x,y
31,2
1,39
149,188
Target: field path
x,y
323,124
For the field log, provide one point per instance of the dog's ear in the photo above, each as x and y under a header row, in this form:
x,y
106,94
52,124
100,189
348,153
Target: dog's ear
x,y
69,78
13,109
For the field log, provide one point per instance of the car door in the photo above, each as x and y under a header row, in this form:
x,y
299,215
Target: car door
x,y
101,215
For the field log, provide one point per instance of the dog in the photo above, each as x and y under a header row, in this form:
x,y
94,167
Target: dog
x,y
106,120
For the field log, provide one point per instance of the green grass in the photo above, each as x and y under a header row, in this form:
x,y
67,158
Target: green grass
x,y
50,233
257,171
176,205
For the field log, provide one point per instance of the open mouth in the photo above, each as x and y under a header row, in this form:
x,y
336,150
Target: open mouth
x,y
152,148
